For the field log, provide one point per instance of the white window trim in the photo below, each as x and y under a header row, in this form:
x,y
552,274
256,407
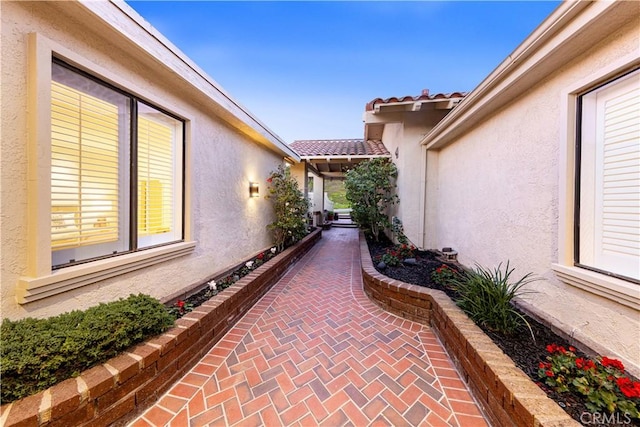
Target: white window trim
x,y
618,290
39,281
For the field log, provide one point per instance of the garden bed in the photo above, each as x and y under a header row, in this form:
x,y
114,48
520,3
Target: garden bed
x,y
123,387
525,353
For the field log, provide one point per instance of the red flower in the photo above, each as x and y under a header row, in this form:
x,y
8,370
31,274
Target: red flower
x,y
551,348
572,349
269,180
541,365
628,388
261,255
549,374
180,304
614,363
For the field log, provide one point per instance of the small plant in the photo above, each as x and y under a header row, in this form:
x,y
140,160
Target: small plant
x,y
405,251
486,296
180,308
602,382
443,275
398,229
390,258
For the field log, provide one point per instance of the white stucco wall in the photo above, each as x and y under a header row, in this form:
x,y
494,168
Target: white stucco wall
x,y
403,138
221,158
497,192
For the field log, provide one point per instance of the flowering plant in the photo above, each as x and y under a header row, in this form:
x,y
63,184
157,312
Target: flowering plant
x,y
443,275
602,382
180,308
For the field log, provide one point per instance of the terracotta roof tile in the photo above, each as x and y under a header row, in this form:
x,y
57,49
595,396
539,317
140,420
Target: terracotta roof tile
x,y
339,147
424,96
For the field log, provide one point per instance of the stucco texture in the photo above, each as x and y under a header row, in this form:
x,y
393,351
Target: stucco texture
x,y
497,200
227,225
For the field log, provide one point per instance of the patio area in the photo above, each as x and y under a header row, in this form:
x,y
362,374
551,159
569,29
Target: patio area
x,y
316,351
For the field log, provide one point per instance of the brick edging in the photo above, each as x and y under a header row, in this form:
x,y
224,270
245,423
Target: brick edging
x,y
506,393
116,391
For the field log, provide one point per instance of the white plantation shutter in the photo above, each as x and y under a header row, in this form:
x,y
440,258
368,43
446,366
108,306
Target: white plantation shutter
x,y
98,208
158,177
610,216
86,218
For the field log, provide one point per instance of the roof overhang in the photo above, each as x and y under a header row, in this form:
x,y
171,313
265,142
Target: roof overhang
x,y
571,29
383,113
335,166
136,35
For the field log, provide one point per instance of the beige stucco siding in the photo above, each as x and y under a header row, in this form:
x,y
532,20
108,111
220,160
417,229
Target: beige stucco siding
x,y
221,159
497,192
402,140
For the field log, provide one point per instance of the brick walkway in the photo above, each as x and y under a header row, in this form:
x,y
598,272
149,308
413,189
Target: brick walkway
x,y
316,351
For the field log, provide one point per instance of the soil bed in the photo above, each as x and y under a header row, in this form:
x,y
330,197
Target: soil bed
x,y
521,348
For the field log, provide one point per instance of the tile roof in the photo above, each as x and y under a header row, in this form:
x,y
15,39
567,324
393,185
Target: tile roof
x,y
339,147
424,96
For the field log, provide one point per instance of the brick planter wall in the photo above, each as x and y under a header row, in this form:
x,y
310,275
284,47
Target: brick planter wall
x,y
123,387
507,395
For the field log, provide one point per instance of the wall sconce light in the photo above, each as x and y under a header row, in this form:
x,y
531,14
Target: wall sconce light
x,y
254,189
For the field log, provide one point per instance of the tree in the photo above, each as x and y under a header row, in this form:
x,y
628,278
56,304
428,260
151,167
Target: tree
x,y
290,207
370,189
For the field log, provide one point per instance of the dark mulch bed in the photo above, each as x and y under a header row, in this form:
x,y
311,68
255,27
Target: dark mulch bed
x,y
521,348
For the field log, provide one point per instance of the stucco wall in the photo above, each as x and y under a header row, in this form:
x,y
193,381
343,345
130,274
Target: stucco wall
x,y
226,223
497,192
403,138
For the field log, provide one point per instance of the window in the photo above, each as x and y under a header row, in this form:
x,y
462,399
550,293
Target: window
x,y
607,214
116,171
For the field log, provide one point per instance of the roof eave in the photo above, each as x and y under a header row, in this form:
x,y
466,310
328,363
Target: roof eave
x,y
149,40
554,36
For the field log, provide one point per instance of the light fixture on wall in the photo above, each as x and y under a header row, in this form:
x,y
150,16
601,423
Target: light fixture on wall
x,y
254,189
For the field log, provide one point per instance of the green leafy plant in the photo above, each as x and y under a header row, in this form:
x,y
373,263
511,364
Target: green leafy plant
x,y
398,229
486,296
603,382
38,353
390,258
180,308
443,275
370,189
290,208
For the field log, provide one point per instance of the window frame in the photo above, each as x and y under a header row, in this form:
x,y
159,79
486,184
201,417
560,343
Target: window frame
x,y
133,239
618,290
580,110
39,280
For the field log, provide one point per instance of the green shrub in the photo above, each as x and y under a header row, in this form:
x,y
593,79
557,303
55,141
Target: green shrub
x,y
38,353
370,189
486,296
290,208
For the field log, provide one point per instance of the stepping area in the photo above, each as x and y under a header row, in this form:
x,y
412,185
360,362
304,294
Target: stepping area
x,y
316,351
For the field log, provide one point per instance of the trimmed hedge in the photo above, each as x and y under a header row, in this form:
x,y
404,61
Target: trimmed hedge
x,y
38,353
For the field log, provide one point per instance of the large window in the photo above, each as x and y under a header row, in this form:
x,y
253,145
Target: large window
x,y
608,179
116,171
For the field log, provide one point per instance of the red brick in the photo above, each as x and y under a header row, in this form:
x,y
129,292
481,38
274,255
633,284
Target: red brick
x,y
120,411
64,398
79,416
148,354
99,380
126,365
24,412
166,343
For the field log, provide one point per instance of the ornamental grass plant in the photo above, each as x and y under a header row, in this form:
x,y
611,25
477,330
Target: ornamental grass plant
x,y
487,296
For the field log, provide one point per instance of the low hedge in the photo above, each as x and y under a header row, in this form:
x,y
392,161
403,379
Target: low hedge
x,y
38,353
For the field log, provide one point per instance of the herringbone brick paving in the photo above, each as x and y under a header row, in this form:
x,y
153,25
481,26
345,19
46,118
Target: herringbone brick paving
x,y
316,351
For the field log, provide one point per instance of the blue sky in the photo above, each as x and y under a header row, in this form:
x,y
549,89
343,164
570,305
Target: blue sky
x,y
307,69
